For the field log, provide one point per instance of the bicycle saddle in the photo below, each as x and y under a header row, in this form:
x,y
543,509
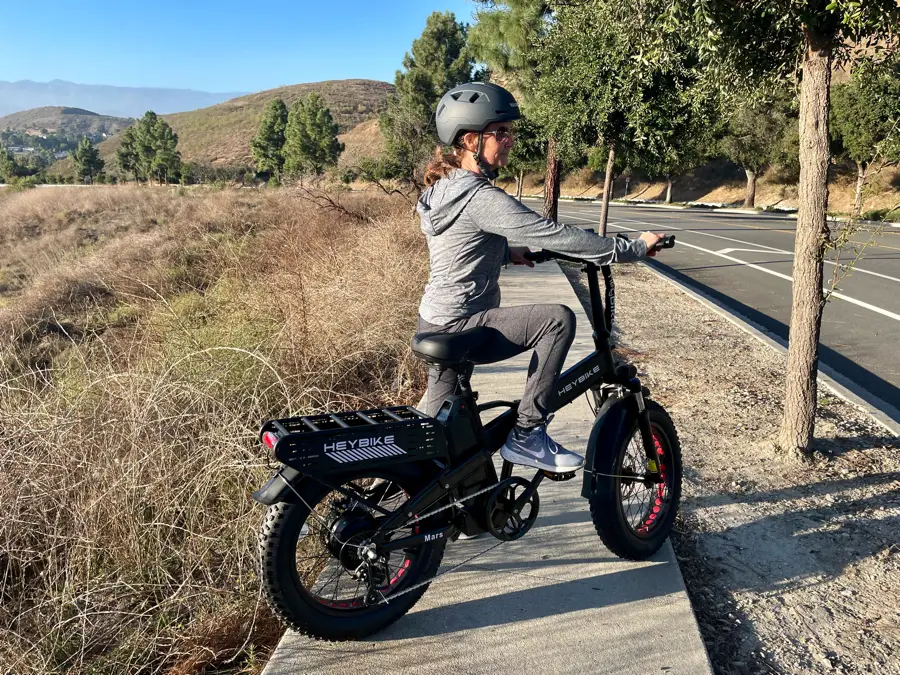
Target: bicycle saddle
x,y
448,349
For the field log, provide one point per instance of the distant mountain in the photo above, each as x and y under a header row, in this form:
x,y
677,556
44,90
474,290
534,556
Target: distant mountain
x,y
68,121
105,99
220,135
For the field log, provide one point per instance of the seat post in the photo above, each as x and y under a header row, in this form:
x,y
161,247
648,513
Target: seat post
x,y
464,374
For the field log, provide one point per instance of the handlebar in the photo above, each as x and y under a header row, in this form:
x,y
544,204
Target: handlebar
x,y
544,256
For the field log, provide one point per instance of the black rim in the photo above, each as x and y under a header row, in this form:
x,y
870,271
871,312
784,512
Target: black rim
x,y
644,507
328,560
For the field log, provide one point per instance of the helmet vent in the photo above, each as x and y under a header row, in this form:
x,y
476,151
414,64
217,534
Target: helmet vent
x,y
474,97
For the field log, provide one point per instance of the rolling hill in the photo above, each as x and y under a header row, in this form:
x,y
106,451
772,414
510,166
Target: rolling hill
x,y
220,135
68,121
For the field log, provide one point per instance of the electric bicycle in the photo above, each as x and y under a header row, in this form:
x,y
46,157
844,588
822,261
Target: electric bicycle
x,y
365,501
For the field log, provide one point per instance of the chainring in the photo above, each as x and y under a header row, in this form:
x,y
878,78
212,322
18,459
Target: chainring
x,y
504,520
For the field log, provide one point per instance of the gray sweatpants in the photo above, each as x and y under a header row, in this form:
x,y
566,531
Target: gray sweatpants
x,y
548,329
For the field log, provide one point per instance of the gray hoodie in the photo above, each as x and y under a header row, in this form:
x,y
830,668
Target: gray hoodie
x,y
468,222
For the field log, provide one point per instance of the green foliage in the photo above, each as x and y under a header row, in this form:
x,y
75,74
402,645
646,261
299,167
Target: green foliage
x,y
267,147
149,149
87,160
757,130
7,166
439,60
755,40
126,153
505,37
599,84
865,113
311,143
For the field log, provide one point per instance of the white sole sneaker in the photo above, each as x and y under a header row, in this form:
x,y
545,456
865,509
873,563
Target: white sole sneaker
x,y
535,462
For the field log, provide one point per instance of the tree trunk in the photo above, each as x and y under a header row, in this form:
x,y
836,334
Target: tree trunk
x,y
627,183
798,423
520,178
750,199
607,188
551,182
668,190
861,170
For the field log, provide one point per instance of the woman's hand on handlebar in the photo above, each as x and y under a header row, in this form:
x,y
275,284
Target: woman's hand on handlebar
x,y
651,239
517,255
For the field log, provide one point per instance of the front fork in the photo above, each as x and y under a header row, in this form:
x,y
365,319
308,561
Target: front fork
x,y
635,390
653,472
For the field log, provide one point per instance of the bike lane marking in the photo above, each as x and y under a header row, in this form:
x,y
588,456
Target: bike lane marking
x,y
835,294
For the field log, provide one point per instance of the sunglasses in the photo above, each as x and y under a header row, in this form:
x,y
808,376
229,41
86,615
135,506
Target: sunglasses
x,y
502,135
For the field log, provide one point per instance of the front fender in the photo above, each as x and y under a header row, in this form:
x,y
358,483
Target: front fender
x,y
278,488
615,421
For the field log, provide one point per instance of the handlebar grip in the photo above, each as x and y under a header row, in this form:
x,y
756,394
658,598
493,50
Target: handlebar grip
x,y
537,256
665,242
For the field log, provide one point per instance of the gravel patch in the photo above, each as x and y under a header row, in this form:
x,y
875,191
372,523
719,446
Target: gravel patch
x,y
792,567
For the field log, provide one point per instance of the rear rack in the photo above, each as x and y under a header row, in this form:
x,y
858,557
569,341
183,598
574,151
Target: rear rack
x,y
330,441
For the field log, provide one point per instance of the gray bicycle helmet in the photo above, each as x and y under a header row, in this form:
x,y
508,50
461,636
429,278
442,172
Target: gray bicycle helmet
x,y
472,107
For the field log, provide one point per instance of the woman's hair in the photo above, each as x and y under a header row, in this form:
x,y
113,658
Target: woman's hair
x,y
441,165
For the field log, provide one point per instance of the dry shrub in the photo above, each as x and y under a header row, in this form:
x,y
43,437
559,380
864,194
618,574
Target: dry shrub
x,y
133,377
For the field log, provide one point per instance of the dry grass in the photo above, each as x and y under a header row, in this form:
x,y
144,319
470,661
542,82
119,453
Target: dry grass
x,y
136,363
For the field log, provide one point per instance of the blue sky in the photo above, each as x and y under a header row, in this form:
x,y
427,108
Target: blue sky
x,y
222,46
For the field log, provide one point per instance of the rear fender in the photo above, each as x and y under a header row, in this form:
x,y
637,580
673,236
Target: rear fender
x,y
278,488
614,423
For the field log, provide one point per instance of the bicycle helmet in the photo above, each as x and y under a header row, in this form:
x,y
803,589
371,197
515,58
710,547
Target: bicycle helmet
x,y
472,107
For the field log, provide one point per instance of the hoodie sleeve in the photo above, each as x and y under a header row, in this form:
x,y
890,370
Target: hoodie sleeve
x,y
494,211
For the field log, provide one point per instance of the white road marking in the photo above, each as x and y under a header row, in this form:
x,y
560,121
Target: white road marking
x,y
835,294
751,250
771,249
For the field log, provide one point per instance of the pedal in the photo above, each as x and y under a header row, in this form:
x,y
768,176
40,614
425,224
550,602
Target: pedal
x,y
558,477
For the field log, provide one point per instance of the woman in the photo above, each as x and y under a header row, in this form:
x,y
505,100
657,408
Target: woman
x,y
468,223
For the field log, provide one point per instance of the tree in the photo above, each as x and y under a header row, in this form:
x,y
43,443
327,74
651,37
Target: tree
x,y
7,166
600,85
166,159
507,36
145,130
127,153
437,62
311,138
865,113
87,160
788,39
756,130
267,147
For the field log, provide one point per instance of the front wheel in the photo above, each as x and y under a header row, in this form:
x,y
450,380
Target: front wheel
x,y
312,565
633,515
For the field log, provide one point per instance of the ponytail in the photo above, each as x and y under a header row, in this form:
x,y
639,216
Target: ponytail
x,y
441,165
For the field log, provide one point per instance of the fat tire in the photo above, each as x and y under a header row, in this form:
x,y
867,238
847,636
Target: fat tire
x,y
605,505
277,543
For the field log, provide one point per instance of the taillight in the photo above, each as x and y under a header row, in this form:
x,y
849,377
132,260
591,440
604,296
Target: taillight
x,y
269,440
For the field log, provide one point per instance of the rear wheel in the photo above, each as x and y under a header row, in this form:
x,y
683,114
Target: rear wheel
x,y
312,565
632,514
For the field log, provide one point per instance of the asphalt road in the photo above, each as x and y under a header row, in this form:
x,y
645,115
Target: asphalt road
x,y
745,261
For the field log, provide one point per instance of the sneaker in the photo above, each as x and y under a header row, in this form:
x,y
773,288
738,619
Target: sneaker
x,y
535,448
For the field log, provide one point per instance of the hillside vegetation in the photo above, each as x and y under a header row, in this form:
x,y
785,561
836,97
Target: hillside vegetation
x,y
144,335
64,121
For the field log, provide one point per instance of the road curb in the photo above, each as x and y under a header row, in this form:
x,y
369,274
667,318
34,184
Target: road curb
x,y
883,413
714,209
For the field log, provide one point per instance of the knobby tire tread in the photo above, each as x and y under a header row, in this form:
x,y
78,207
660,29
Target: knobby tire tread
x,y
613,532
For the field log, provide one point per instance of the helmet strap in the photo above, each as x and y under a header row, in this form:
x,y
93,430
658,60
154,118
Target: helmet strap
x,y
487,171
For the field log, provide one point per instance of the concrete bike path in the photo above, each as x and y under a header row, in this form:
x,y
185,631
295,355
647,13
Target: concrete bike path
x,y
555,601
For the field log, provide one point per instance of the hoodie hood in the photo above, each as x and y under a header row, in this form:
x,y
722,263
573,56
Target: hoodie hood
x,y
441,205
